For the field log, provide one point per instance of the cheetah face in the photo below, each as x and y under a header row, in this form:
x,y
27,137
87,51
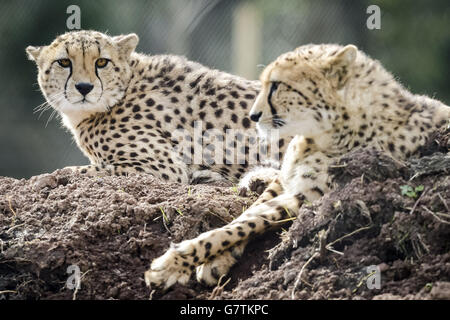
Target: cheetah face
x,y
84,72
300,90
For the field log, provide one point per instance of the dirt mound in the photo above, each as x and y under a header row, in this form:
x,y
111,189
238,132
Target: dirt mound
x,y
110,227
385,215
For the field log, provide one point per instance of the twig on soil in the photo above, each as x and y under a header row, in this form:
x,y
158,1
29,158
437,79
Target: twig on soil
x,y
165,226
423,243
16,260
13,227
335,251
443,201
23,284
299,277
279,221
435,215
13,211
10,208
329,246
336,262
219,217
321,251
414,176
163,214
219,288
74,296
7,291
285,220
322,244
416,249
164,220
1,246
362,281
443,214
417,202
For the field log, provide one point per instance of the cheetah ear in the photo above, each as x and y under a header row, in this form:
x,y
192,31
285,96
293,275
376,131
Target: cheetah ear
x,y
126,43
338,68
33,52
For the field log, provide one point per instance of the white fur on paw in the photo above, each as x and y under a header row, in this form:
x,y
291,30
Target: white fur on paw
x,y
260,175
210,272
170,268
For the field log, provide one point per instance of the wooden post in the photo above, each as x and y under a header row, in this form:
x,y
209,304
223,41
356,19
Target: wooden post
x,y
246,40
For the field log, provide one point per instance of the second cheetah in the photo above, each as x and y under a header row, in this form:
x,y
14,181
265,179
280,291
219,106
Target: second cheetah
x,y
334,100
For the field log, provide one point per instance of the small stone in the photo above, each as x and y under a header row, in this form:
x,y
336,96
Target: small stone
x,y
383,267
45,181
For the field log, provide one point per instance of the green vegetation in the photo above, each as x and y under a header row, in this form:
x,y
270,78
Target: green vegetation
x,y
411,192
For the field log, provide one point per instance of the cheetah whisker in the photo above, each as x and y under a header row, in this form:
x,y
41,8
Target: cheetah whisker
x,y
47,104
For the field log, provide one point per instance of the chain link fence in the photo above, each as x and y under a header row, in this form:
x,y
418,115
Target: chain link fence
x,y
238,36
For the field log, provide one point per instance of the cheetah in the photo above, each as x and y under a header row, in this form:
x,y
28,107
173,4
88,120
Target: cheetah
x,y
130,113
332,99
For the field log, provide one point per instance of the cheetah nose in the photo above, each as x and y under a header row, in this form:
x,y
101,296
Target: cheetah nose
x,y
255,117
84,87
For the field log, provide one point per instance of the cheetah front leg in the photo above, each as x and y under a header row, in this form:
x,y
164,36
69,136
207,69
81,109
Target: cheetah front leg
x,y
210,272
172,267
304,176
178,263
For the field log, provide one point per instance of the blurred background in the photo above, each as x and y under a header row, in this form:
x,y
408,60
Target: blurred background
x,y
238,36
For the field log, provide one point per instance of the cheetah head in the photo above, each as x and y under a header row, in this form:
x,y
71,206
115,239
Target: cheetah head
x,y
84,72
301,90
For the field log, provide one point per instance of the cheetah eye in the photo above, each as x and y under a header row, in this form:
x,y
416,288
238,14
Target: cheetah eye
x,y
65,63
101,62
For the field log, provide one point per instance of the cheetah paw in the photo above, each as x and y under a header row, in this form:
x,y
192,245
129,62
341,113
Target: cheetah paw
x,y
173,266
258,179
209,273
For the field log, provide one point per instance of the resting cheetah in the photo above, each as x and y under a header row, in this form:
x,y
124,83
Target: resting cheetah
x,y
333,99
129,112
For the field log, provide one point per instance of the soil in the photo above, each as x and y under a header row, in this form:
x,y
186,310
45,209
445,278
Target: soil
x,y
111,228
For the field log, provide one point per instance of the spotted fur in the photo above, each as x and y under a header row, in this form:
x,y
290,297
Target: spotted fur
x,y
127,122
333,99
